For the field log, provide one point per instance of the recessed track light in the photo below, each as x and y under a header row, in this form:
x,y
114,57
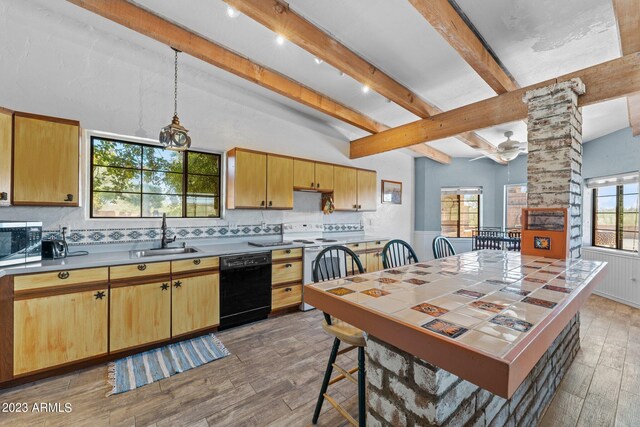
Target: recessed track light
x,y
365,89
280,40
232,13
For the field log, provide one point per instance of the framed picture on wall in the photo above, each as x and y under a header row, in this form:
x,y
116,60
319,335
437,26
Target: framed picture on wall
x,y
391,192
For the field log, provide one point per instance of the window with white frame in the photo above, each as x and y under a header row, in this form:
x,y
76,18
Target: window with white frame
x,y
459,211
515,199
615,205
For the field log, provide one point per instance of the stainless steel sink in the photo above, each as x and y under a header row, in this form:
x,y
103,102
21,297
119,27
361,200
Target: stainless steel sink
x,y
161,252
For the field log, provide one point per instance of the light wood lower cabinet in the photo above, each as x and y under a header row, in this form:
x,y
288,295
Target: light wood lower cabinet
x,y
59,329
195,303
373,261
140,314
286,296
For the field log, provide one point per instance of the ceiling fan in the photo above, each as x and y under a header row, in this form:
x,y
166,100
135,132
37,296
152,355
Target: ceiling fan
x,y
507,150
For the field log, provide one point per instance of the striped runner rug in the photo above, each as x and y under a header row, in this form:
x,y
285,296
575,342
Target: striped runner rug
x,y
140,369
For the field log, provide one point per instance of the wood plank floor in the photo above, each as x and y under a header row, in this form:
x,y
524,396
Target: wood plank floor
x,y
274,373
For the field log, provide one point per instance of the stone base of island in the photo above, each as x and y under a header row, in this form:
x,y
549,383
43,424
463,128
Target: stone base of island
x,y
403,390
480,339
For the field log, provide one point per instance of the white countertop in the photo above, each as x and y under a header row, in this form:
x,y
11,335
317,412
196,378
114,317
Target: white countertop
x,y
121,257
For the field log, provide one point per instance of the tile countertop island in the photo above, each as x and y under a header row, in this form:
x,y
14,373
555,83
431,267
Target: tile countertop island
x,y
490,319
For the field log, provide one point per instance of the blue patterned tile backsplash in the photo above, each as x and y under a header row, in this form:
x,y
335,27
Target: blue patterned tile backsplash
x,y
135,235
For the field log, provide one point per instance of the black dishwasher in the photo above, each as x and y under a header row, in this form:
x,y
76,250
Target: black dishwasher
x,y
245,289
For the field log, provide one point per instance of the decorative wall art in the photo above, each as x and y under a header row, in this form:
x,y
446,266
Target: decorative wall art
x,y
391,192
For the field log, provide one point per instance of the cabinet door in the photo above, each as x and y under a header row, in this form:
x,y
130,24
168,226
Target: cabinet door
x,y
195,303
45,162
53,330
279,182
373,262
6,132
324,177
344,188
140,314
249,179
366,190
304,174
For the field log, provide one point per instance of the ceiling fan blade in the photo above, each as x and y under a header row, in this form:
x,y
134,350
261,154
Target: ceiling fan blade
x,y
478,158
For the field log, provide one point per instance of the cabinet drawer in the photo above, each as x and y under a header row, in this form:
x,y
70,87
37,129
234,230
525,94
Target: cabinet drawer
x,y
286,296
61,278
286,272
140,270
357,247
196,264
286,253
376,244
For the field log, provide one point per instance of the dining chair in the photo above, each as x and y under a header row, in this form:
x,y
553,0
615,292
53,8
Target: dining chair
x,y
332,263
397,253
442,247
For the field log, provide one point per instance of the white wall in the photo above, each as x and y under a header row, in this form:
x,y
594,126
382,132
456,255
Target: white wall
x,y
54,64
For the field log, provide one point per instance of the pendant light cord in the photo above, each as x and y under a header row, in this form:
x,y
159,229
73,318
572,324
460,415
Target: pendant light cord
x,y
175,85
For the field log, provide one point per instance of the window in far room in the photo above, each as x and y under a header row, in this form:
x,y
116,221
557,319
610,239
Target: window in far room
x,y
515,201
459,211
615,212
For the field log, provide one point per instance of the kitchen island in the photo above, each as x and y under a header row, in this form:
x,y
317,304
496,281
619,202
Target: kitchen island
x,y
483,337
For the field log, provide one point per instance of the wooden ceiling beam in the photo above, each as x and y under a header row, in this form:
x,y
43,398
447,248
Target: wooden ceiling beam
x,y
628,17
609,80
279,18
446,20
432,153
160,29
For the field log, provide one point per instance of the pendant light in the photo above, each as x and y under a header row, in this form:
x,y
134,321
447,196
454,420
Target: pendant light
x,y
175,136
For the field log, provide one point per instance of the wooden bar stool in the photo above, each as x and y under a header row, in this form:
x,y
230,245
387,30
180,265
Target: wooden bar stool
x,y
332,263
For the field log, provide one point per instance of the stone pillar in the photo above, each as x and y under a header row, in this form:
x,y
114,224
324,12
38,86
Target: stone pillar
x,y
554,165
405,391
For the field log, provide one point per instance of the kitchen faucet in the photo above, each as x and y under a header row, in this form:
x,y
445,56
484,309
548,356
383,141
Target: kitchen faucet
x,y
165,242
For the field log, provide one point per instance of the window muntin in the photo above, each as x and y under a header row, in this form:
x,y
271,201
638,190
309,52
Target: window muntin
x,y
132,180
615,217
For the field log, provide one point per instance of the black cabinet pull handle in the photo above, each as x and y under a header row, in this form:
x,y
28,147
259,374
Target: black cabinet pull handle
x,y
355,206
288,265
63,275
164,286
288,251
177,284
262,203
142,267
356,245
359,206
312,185
99,294
317,185
4,195
288,289
196,261
69,198
270,203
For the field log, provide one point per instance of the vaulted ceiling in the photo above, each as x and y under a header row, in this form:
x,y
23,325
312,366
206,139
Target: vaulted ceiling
x,y
532,42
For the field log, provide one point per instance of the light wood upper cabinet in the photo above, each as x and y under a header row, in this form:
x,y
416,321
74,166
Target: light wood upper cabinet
x,y
345,194
54,330
195,303
304,174
279,182
140,314
6,132
367,199
45,161
267,181
324,177
246,172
